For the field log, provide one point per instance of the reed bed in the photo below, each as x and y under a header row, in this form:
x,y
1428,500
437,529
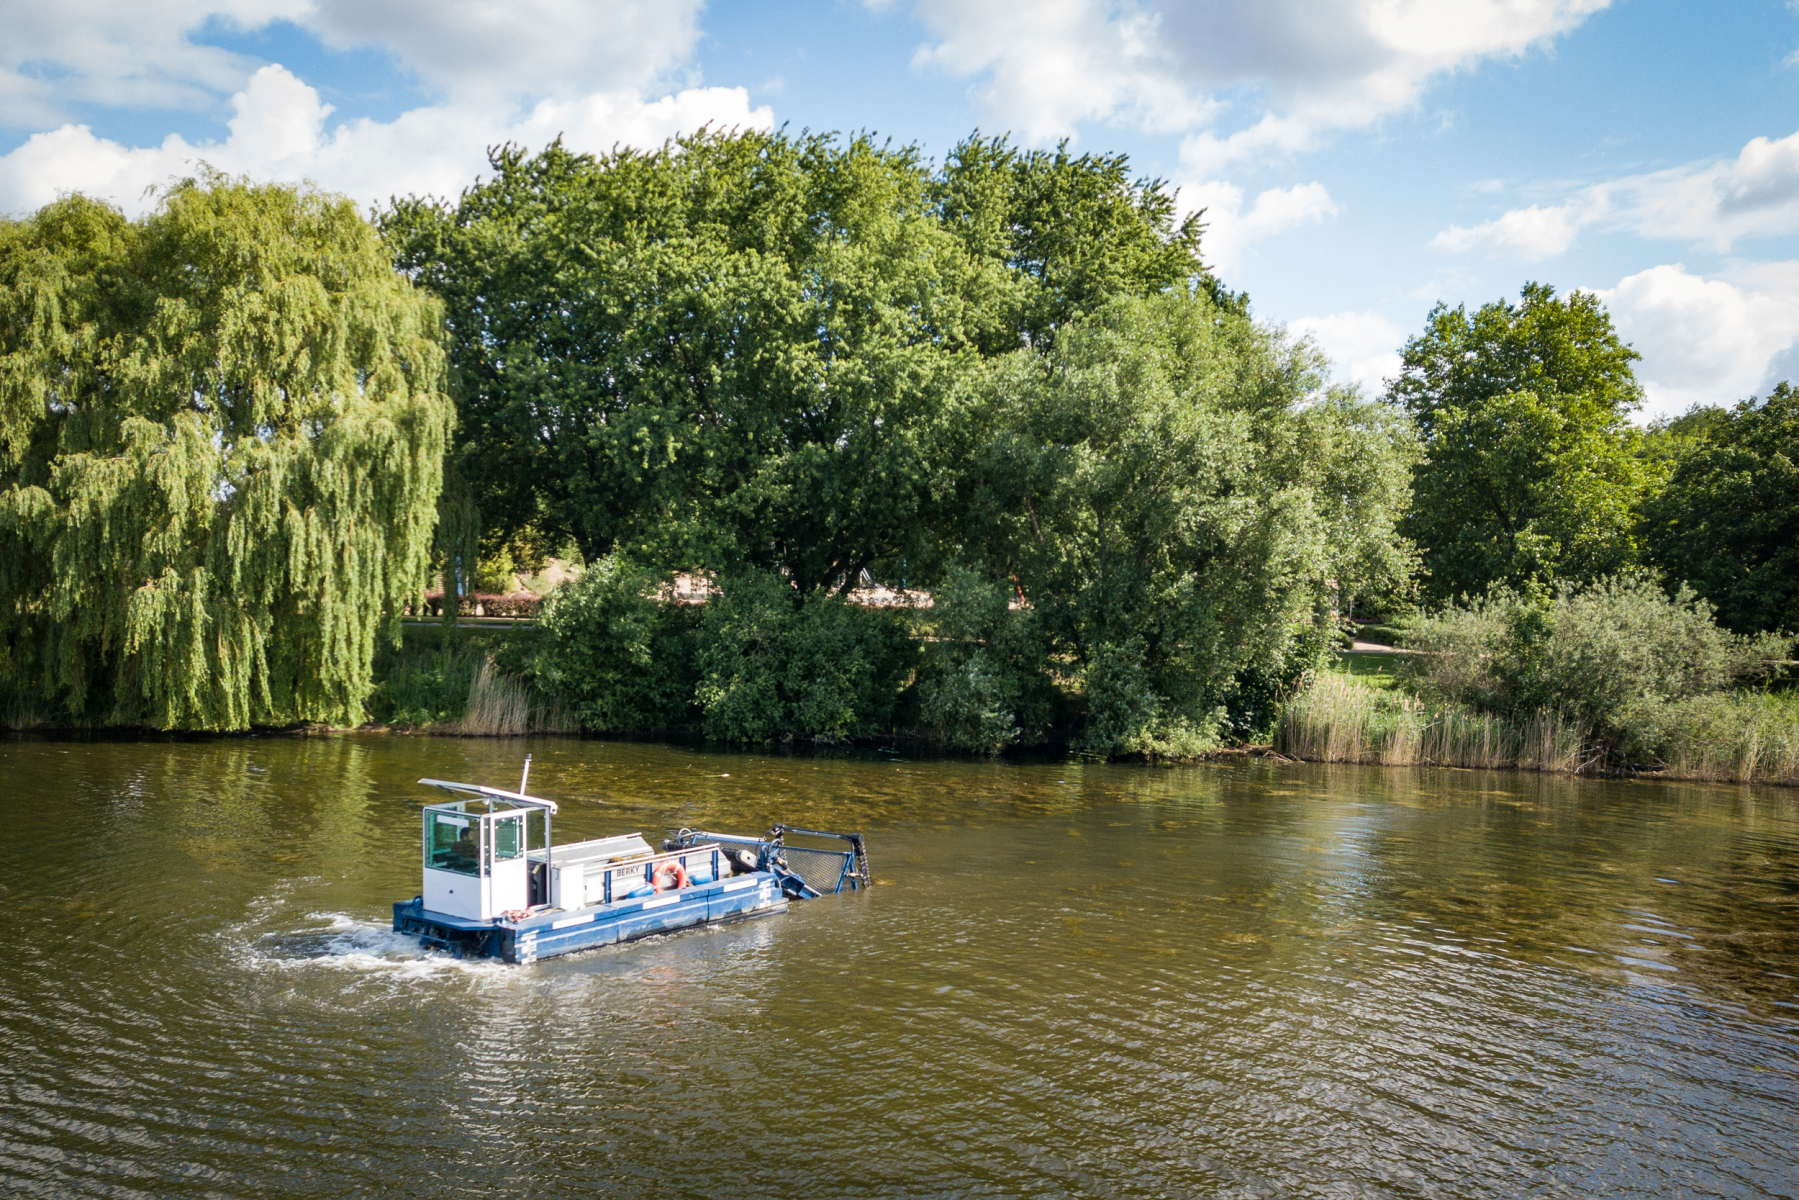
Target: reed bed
x,y
502,705
1744,737
1341,719
1737,737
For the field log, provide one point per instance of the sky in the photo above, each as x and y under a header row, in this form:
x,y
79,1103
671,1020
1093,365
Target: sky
x,y
1358,161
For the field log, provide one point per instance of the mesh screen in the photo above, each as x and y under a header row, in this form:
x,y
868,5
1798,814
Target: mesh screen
x,y
822,870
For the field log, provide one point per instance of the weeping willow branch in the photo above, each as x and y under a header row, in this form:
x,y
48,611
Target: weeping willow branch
x,y
222,430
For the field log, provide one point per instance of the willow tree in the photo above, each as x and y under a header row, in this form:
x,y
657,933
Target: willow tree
x,y
222,430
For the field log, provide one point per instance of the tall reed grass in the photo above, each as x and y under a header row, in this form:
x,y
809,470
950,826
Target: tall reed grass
x,y
502,705
1341,719
1742,737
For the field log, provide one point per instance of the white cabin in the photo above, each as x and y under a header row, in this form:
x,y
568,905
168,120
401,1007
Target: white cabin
x,y
476,864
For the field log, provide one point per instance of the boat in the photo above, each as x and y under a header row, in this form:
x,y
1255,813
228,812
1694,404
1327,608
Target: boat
x,y
488,892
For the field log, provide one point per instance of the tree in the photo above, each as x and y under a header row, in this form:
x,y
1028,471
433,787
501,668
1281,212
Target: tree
x,y
1179,505
1531,469
222,433
1727,521
1071,233
736,351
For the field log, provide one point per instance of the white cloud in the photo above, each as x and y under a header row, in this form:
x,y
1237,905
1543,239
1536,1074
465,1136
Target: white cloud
x,y
522,47
1363,346
1711,204
1530,233
108,52
1706,341
279,132
1061,62
143,53
1231,229
1296,67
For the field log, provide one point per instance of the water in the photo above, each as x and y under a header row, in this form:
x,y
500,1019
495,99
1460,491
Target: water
x,y
1231,980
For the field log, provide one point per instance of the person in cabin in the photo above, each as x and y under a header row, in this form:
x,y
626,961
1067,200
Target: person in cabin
x,y
464,852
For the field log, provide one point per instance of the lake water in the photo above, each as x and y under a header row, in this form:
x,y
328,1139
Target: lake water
x,y
1242,979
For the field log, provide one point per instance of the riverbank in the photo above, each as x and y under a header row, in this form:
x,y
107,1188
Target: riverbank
x,y
1351,716
473,680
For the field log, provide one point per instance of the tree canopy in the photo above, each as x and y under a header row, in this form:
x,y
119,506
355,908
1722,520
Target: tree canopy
x,y
222,430
737,350
1727,521
1531,468
1178,502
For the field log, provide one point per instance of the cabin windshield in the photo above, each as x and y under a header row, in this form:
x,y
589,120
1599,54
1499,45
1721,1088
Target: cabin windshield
x,y
508,834
453,842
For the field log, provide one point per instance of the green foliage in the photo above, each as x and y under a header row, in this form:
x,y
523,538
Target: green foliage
x,y
621,659
983,679
462,679
1743,737
736,351
1531,468
1177,502
1071,233
222,433
776,664
423,685
1728,520
496,573
1612,655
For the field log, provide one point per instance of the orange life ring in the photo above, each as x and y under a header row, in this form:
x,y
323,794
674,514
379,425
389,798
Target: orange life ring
x,y
674,872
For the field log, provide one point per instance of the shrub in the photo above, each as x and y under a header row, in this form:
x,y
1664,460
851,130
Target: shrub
x,y
1610,656
416,686
1742,737
1128,714
619,658
984,677
518,604
776,665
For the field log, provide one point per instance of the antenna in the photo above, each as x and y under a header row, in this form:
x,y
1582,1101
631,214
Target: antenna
x,y
526,777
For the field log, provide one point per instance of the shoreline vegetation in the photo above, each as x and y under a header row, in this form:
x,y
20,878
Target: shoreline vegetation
x,y
775,439
450,682
1734,738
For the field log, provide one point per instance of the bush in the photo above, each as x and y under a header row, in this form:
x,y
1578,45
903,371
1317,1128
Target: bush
x,y
984,678
1743,737
1128,714
776,665
417,686
462,679
621,659
1611,656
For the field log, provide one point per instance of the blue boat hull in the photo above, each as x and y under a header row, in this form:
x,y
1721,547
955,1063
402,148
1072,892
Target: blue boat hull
x,y
551,934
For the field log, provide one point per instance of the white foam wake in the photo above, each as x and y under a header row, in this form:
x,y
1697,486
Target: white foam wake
x,y
344,943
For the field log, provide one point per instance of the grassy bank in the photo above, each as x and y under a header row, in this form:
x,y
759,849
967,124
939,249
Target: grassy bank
x,y
1346,718
462,679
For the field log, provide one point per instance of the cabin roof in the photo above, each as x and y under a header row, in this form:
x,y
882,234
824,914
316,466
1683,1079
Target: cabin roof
x,y
491,794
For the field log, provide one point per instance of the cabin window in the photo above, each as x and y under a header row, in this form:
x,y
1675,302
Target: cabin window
x,y
508,838
454,844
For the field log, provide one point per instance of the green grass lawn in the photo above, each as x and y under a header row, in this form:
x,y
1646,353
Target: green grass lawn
x,y
1376,670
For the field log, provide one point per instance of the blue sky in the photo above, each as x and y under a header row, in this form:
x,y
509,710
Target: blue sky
x,y
1358,159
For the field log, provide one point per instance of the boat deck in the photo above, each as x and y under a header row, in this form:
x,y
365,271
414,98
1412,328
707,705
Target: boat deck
x,y
555,932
